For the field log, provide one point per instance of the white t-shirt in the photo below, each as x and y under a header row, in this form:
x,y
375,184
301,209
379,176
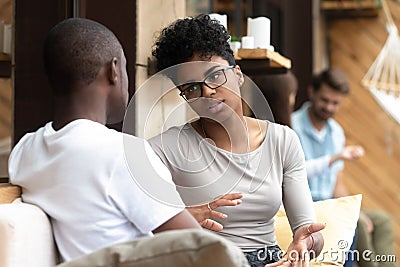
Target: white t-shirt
x,y
79,176
272,174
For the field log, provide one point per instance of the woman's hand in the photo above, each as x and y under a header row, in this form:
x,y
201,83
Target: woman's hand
x,y
307,243
204,213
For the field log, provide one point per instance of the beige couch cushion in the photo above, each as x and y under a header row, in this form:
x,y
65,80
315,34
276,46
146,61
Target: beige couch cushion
x,y
178,248
340,216
25,236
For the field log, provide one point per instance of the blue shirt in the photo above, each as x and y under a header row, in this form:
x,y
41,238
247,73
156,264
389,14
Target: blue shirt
x,y
316,144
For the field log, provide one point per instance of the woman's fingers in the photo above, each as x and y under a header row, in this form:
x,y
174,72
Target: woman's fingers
x,y
232,196
313,228
211,225
231,199
218,215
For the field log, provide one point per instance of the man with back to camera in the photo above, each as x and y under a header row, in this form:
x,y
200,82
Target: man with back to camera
x,y
74,167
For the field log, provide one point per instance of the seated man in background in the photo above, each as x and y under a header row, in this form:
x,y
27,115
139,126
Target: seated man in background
x,y
323,142
74,167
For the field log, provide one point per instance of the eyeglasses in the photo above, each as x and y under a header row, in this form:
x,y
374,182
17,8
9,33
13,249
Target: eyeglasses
x,y
193,91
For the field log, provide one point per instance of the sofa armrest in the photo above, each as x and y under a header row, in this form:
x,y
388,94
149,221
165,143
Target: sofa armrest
x,y
26,237
178,248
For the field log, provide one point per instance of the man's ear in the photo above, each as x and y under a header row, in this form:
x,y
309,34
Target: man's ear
x,y
113,73
240,75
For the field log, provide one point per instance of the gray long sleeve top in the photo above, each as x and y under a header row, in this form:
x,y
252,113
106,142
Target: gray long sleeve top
x,y
272,174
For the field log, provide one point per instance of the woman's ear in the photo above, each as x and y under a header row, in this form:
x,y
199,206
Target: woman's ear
x,y
113,73
240,75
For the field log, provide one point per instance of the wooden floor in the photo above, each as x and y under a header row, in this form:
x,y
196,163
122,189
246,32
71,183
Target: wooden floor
x,y
354,44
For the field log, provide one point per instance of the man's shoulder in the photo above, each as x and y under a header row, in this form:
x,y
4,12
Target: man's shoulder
x,y
296,115
335,126
298,121
28,139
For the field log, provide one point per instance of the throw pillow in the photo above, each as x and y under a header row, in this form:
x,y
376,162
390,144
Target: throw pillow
x,y
340,215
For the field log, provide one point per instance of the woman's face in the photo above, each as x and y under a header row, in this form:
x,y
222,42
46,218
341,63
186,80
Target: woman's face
x,y
212,88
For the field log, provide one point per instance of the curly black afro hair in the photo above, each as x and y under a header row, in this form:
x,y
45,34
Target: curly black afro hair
x,y
179,41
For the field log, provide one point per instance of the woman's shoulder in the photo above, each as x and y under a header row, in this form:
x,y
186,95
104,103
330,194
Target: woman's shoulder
x,y
173,134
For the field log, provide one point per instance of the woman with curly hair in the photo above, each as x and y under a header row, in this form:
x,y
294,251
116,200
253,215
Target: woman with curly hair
x,y
225,151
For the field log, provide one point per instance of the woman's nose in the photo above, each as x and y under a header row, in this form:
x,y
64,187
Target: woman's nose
x,y
207,91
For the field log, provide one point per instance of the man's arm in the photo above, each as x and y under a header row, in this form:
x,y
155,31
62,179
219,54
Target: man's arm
x,y
319,165
183,220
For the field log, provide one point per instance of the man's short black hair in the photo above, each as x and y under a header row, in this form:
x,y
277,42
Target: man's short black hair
x,y
334,78
179,41
75,50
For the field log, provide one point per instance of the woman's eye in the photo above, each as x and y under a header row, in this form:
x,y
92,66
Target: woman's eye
x,y
192,88
215,76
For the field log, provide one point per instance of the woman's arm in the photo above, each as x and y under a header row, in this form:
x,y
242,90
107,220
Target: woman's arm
x,y
307,241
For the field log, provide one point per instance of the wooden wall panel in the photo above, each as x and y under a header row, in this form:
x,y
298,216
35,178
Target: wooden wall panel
x,y
32,94
5,83
6,11
298,42
124,28
33,98
5,108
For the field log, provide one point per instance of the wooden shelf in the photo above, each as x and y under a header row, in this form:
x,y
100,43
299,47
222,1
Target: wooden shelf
x,y
5,57
334,5
350,8
5,65
276,59
262,61
251,61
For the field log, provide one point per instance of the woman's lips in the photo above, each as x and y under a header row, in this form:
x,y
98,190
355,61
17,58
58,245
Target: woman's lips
x,y
216,107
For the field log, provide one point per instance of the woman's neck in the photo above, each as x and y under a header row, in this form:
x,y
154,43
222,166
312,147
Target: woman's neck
x,y
232,135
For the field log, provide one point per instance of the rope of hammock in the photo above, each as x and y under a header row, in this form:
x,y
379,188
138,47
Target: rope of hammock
x,y
384,73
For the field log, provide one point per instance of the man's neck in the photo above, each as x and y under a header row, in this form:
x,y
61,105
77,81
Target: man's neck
x,y
68,110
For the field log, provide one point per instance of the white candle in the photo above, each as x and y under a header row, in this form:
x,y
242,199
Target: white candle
x,y
7,39
260,29
248,42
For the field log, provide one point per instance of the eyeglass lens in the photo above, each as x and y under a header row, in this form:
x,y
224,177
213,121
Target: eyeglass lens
x,y
213,81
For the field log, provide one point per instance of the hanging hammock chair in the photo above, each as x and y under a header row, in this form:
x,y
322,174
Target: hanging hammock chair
x,y
383,77
384,73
